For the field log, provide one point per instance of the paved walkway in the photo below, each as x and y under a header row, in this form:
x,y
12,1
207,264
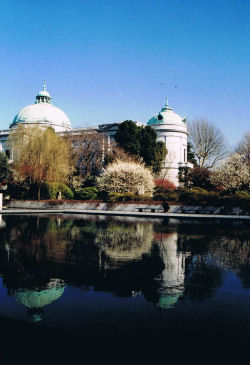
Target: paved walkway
x,y
123,213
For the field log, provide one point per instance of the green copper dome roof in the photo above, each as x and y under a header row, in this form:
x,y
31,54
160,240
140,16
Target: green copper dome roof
x,y
167,116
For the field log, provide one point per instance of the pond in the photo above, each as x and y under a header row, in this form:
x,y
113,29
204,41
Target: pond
x,y
77,288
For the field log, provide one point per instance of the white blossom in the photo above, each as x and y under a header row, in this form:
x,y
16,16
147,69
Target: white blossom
x,y
127,177
233,174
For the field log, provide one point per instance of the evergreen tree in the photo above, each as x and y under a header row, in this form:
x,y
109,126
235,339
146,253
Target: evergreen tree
x,y
190,154
4,169
141,141
128,137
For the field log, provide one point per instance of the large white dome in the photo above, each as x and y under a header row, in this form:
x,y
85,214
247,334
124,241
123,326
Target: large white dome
x,y
43,113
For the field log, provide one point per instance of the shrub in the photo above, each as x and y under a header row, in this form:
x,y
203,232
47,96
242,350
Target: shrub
x,y
51,191
166,195
119,197
197,196
164,184
18,191
243,194
89,193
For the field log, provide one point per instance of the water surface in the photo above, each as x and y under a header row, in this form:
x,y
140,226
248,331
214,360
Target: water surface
x,y
159,288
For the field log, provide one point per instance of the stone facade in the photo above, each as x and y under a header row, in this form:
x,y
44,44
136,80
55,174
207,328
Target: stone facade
x,y
172,130
169,126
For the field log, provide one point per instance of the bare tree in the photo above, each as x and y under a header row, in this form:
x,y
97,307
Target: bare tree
x,y
208,143
116,153
90,149
243,148
94,150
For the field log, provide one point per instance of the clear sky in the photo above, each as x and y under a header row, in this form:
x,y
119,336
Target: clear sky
x,y
111,60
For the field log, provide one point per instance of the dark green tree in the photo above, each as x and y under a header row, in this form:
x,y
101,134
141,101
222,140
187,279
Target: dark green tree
x,y
141,141
128,137
4,169
190,154
199,177
184,176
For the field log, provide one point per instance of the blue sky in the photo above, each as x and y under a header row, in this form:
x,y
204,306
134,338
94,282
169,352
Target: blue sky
x,y
110,60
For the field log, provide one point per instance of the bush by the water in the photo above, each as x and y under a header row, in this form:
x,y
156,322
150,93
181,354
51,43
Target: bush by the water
x,y
171,196
89,193
119,197
164,184
18,191
52,190
199,196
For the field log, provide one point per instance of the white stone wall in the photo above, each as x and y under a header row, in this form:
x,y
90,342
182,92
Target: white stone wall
x,y
175,139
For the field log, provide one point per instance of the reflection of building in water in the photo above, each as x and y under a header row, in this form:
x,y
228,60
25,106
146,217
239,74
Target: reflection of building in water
x,y
124,243
173,275
35,300
2,222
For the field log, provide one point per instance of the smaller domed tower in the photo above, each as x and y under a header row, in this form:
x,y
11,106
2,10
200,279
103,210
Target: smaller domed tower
x,y
171,129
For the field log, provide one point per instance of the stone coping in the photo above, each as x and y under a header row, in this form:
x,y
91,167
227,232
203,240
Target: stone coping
x,y
124,213
124,207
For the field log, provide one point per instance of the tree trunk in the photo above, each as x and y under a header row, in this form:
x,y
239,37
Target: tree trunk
x,y
39,192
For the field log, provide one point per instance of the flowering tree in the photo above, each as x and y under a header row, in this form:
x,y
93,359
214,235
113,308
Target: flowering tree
x,y
243,148
127,177
232,175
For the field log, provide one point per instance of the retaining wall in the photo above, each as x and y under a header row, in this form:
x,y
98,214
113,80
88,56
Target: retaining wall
x,y
198,209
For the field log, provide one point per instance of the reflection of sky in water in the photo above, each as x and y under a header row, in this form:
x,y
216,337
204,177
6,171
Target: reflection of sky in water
x,y
69,272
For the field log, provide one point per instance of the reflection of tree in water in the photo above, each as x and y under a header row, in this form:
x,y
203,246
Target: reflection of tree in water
x,y
80,253
212,252
233,254
244,274
202,279
120,257
124,242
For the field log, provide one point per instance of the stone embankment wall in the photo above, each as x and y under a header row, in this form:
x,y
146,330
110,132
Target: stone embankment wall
x,y
198,209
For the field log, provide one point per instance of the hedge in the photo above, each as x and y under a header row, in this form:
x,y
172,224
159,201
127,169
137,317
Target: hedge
x,y
89,193
51,191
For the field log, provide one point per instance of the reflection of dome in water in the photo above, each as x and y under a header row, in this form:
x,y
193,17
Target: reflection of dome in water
x,y
35,300
167,301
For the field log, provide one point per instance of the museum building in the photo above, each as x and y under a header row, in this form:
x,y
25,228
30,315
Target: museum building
x,y
170,128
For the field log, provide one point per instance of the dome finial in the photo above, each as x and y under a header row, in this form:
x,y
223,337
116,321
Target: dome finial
x,y
167,102
44,85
